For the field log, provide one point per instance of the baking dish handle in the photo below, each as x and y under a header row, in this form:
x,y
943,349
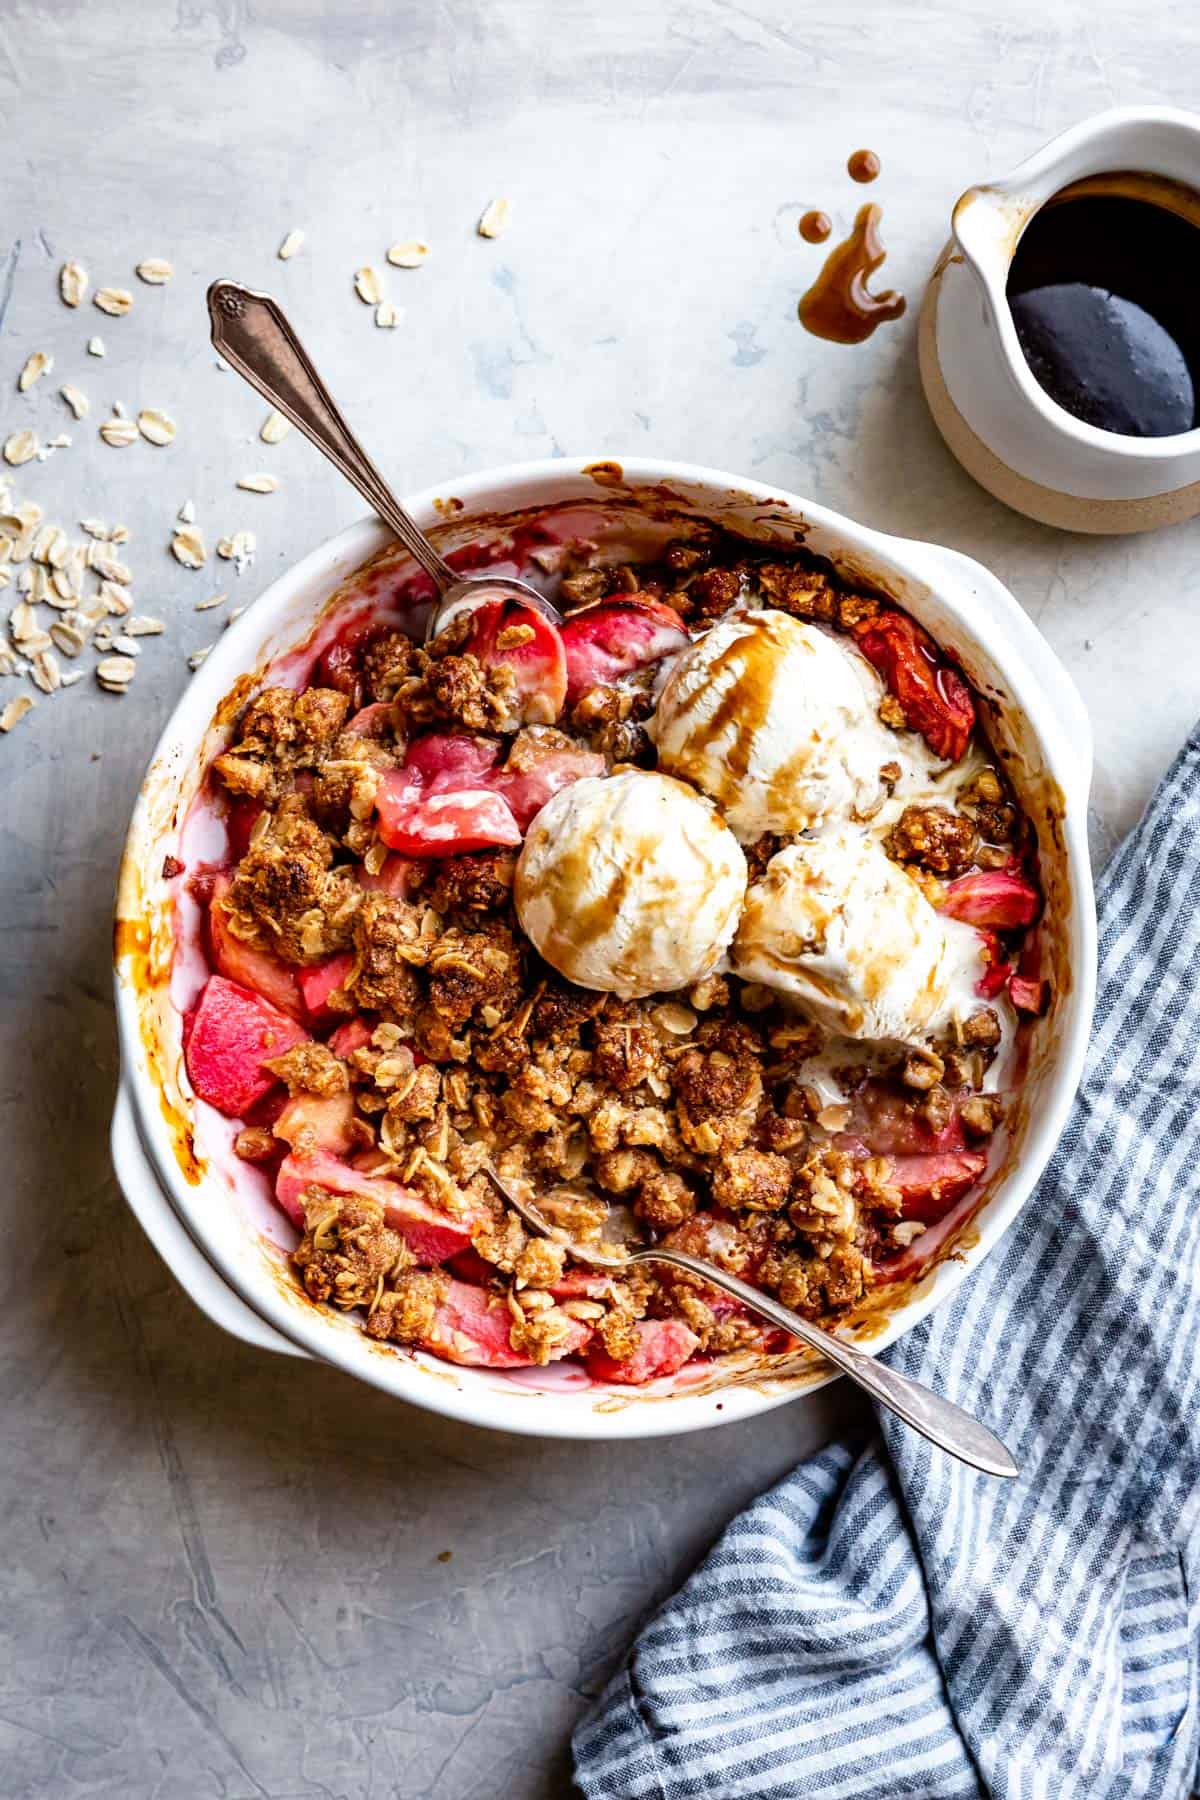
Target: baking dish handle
x,y
158,1219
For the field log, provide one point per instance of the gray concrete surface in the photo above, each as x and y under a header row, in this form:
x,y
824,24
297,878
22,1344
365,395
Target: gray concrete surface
x,y
220,1570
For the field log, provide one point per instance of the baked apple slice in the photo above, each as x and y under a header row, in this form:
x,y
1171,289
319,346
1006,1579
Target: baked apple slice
x,y
614,637
234,1031
432,1236
418,823
247,964
508,631
664,1345
472,1327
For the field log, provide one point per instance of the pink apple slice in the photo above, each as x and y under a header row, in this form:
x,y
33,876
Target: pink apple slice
x,y
526,792
472,1327
508,631
930,1185
317,1122
441,824
321,980
431,1235
614,637
234,1032
664,1345
245,963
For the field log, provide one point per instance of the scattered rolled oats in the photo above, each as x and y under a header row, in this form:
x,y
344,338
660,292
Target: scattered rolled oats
x,y
116,672
37,365
213,600
45,673
494,219
187,513
290,244
409,254
76,400
387,316
66,589
72,676
156,427
46,539
114,301
155,271
67,638
142,625
116,600
119,433
46,450
238,549
22,622
16,710
20,448
366,286
95,347
100,557
198,656
258,484
119,534
274,427
128,646
8,658
72,283
187,547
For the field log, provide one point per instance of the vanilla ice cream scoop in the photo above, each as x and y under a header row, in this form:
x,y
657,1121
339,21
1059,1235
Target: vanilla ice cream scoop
x,y
852,939
777,721
630,884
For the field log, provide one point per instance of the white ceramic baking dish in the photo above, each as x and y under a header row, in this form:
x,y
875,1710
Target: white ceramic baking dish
x,y
228,1246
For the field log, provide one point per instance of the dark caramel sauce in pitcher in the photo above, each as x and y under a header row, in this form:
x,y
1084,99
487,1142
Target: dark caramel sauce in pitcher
x,y
1104,290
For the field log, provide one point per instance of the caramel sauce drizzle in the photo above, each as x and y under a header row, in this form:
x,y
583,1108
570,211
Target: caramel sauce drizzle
x,y
839,305
864,165
815,227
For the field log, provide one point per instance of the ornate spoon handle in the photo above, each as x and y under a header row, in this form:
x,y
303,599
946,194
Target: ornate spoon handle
x,y
251,332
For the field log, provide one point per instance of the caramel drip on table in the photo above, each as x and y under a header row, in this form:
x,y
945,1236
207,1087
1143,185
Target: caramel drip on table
x,y
864,165
839,305
815,227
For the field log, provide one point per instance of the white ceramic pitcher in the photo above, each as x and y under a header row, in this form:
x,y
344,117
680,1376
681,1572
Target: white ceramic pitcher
x,y
1002,426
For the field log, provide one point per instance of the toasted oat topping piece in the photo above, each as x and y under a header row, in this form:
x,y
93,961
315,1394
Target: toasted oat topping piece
x,y
933,837
347,1252
310,1068
390,942
478,883
475,974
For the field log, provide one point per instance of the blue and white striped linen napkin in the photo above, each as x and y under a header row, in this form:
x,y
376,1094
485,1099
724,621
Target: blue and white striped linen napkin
x,y
886,1622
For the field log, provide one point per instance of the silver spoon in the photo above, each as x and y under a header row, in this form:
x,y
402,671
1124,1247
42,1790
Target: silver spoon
x,y
252,334
939,1420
